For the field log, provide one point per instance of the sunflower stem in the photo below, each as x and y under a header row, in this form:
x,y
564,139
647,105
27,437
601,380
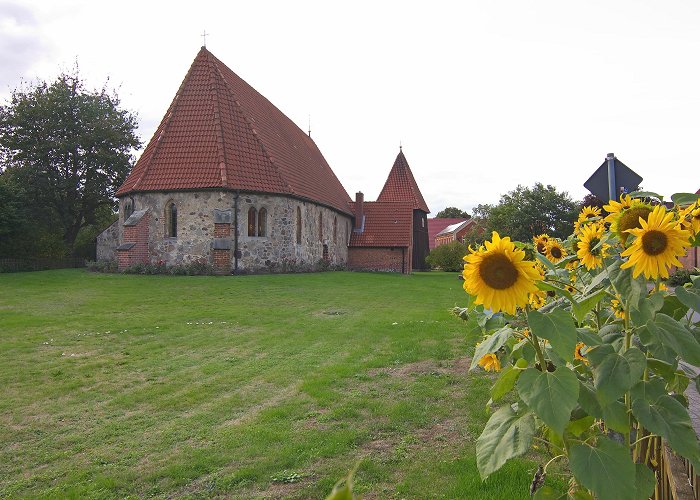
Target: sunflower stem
x,y
538,350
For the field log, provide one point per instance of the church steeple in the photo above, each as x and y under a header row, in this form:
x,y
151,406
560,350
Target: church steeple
x,y
402,186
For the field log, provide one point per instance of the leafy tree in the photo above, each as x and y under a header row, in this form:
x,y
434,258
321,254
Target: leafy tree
x,y
591,200
69,147
452,213
526,212
447,257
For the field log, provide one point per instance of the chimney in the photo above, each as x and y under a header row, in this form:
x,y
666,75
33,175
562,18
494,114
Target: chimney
x,y
359,211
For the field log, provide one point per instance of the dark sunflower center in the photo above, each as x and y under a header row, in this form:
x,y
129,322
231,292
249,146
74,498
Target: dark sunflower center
x,y
540,247
556,252
498,271
654,242
630,218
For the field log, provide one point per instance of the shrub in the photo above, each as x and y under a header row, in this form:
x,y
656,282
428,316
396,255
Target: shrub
x,y
682,276
102,266
447,257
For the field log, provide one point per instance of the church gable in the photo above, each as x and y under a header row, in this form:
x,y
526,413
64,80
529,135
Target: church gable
x,y
219,132
401,186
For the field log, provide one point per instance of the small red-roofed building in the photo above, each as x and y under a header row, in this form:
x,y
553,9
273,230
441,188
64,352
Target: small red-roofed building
x,y
438,224
228,180
454,232
391,234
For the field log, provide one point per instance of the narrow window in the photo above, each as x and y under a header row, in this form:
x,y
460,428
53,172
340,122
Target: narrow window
x,y
298,225
171,220
262,222
335,229
251,221
128,208
320,227
325,252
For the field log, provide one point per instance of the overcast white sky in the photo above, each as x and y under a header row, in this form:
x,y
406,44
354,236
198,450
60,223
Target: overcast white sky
x,y
483,95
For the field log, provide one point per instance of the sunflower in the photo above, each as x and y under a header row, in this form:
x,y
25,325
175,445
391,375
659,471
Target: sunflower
x,y
615,208
490,363
541,242
591,256
628,217
659,243
617,308
554,250
589,213
578,355
572,265
690,218
499,276
537,299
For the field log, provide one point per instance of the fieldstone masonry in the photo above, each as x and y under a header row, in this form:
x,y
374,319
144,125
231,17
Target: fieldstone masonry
x,y
206,231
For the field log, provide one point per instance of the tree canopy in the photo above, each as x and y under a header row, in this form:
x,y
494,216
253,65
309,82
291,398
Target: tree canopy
x,y
452,213
526,212
69,148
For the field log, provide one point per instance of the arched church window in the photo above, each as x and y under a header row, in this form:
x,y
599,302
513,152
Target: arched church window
x,y
128,208
171,219
252,213
298,225
335,229
320,227
262,222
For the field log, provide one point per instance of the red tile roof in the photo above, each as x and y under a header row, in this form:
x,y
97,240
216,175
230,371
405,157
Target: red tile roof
x,y
386,224
438,224
219,132
401,186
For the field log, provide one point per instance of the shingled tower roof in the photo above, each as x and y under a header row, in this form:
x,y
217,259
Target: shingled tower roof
x,y
220,133
401,186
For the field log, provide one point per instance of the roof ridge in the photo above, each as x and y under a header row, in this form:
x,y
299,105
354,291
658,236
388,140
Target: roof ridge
x,y
217,118
165,124
245,118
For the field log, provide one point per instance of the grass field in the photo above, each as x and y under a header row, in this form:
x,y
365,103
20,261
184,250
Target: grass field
x,y
245,387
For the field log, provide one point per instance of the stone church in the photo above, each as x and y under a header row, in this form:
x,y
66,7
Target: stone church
x,y
229,180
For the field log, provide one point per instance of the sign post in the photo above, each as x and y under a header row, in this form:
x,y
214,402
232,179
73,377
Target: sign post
x,y
612,178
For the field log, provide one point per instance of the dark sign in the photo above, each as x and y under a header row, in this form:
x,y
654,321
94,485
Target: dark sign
x,y
626,180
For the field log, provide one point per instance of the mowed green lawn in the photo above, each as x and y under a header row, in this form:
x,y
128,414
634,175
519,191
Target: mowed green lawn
x,y
244,387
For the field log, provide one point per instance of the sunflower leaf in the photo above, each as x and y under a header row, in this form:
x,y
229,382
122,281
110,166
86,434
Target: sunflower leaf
x,y
558,328
490,344
645,481
646,194
689,297
615,416
505,382
673,334
625,285
583,306
606,469
612,378
551,395
597,280
505,436
660,413
683,199
588,336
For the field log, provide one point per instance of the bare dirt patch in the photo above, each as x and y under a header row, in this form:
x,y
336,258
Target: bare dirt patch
x,y
425,367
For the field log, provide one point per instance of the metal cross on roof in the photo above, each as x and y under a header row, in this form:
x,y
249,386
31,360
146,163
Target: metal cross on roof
x,y
204,37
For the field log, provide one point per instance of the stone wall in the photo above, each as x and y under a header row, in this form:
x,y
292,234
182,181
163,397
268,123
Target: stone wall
x,y
276,250
107,243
